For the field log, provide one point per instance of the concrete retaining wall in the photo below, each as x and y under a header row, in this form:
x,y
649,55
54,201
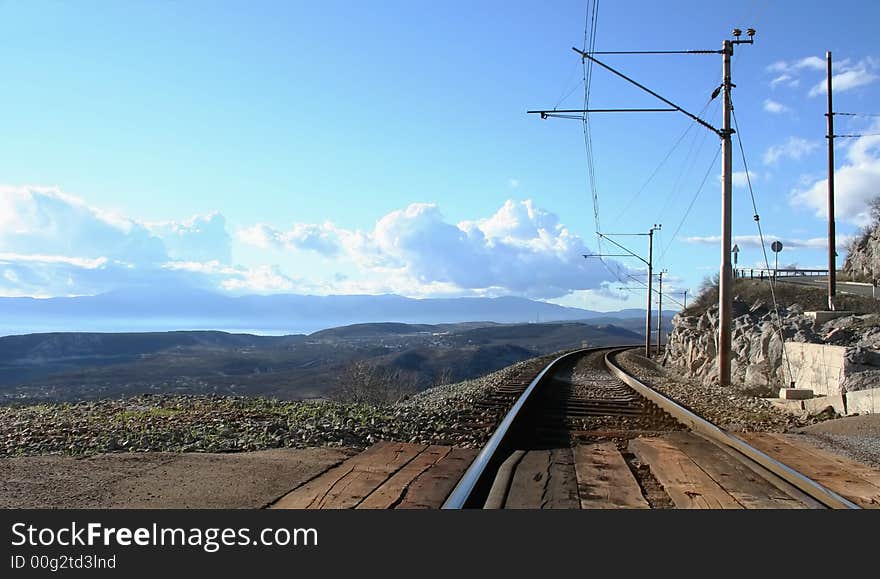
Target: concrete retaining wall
x,y
817,367
863,401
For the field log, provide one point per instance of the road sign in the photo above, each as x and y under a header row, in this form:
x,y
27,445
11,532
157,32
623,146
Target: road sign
x,y
776,246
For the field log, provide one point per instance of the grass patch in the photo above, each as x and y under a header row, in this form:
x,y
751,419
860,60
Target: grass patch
x,y
787,294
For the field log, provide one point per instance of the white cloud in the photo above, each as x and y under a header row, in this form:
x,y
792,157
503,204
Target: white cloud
x,y
513,183
856,183
754,241
46,221
774,107
784,79
53,243
811,62
850,77
323,239
740,179
202,237
414,248
794,148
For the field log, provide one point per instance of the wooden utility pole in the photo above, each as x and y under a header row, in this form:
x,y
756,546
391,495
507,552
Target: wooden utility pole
x,y
725,296
649,262
660,310
832,253
650,278
725,281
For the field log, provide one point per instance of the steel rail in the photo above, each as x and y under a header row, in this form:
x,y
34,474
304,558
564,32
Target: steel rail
x,y
462,491
719,436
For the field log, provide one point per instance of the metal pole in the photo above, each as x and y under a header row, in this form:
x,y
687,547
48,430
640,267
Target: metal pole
x,y
725,296
650,276
832,254
659,311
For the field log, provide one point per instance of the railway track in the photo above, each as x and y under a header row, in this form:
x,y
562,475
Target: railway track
x,y
584,434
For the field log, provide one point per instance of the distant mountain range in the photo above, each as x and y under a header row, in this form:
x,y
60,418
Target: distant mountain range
x,y
176,308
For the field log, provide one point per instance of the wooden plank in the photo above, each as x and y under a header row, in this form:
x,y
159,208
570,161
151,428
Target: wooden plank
x,y
821,466
544,479
347,484
685,482
562,486
863,471
529,480
604,479
433,486
393,491
741,482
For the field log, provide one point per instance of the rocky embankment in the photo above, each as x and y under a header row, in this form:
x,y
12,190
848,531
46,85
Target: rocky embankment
x,y
863,259
210,423
758,365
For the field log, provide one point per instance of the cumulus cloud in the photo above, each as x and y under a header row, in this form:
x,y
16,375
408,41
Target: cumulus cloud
x,y
321,238
794,148
771,106
53,243
47,221
848,77
856,183
520,249
200,238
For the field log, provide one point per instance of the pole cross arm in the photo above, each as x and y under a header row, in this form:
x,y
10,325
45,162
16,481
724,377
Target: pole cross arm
x,y
650,92
628,252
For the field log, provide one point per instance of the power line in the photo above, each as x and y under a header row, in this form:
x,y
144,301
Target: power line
x,y
693,201
763,245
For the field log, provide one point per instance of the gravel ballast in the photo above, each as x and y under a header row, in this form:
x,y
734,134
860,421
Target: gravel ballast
x,y
445,415
724,407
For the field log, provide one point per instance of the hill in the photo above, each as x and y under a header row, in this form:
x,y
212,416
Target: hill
x,y
81,366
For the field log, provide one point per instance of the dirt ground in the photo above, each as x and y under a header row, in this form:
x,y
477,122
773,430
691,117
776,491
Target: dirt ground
x,y
160,479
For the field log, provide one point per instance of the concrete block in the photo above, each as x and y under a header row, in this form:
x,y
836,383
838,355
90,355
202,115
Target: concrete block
x,y
791,406
795,393
818,367
821,317
863,401
821,402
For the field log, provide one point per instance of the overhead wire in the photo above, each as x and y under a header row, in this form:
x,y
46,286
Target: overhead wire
x,y
693,201
757,219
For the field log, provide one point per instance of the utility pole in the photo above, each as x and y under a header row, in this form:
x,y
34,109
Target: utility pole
x,y
649,262
660,310
725,278
725,296
650,278
832,254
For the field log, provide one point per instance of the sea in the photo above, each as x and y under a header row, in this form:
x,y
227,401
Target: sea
x,y
154,325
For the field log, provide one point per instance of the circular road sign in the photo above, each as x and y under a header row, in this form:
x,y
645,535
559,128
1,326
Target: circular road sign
x,y
776,246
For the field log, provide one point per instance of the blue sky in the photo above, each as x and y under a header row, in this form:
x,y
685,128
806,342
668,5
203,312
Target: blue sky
x,y
379,147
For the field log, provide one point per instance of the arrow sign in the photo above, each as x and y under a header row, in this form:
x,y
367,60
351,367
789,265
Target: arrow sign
x,y
735,251
776,246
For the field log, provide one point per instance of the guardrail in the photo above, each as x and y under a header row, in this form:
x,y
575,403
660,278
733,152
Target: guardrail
x,y
772,273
